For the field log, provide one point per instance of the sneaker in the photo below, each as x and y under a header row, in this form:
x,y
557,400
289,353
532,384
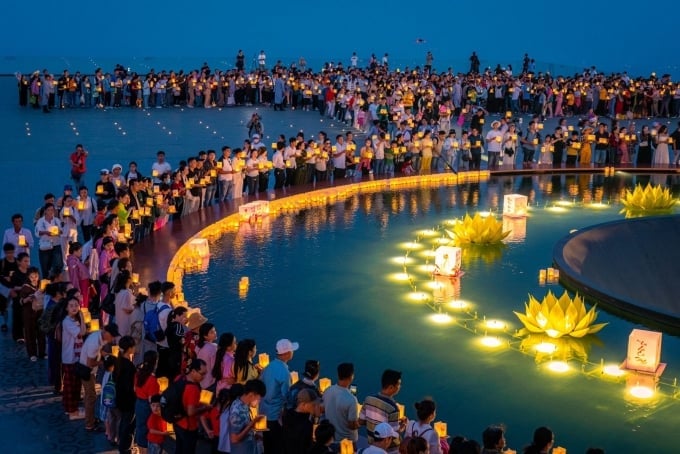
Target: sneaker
x,y
34,359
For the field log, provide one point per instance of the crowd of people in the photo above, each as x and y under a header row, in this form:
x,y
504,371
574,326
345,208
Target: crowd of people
x,y
84,310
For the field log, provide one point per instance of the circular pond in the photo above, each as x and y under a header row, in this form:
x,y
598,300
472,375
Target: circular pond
x,y
335,279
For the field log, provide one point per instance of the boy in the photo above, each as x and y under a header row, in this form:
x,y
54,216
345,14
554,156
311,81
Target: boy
x,y
157,426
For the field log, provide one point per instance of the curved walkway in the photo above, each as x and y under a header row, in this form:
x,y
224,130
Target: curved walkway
x,y
630,266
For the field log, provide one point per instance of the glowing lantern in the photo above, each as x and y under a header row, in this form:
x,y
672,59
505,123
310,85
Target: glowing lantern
x,y
263,360
115,350
162,383
81,205
206,397
644,352
294,377
346,446
22,241
54,230
402,411
66,211
447,260
324,384
515,205
441,428
261,423
94,325
135,278
199,247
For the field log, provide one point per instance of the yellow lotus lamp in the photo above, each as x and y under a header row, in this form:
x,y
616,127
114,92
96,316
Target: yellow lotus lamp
x,y
477,230
559,317
648,201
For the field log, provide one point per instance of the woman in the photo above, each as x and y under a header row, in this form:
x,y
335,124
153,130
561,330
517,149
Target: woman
x,y
661,155
175,335
32,304
223,370
124,377
124,302
252,173
206,349
244,369
72,331
586,155
645,150
426,411
623,152
510,143
78,273
543,441
366,154
146,386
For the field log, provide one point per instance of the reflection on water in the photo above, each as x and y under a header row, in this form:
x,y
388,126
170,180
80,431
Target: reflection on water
x,y
325,277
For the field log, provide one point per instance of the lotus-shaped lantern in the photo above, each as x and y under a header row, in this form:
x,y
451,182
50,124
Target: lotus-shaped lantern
x,y
477,230
648,201
559,317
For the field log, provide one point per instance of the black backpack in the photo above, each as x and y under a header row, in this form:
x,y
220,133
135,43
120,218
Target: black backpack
x,y
172,409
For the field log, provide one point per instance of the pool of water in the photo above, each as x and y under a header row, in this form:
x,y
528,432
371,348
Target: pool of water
x,y
323,277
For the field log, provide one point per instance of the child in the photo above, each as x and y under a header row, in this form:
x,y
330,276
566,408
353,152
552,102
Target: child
x,y
107,405
157,426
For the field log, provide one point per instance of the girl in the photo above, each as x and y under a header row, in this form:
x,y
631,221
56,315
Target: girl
x,y
426,412
175,334
73,329
223,371
206,349
244,369
146,386
366,157
78,273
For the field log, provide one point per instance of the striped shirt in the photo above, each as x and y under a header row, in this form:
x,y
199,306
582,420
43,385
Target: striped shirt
x,y
380,408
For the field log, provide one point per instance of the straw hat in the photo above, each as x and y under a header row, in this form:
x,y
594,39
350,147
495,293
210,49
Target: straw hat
x,y
196,319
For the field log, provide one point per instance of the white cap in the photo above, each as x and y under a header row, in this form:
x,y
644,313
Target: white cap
x,y
285,346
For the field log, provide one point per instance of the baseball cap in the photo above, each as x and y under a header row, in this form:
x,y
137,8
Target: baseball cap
x,y
104,172
384,430
256,136
117,166
285,346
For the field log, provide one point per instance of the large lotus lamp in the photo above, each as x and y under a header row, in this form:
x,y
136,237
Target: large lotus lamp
x,y
559,317
648,201
477,230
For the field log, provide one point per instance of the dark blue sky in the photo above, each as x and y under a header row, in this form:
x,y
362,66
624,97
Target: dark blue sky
x,y
613,36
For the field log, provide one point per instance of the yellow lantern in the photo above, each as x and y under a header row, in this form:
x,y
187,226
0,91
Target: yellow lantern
x,y
260,423
100,189
440,428
43,284
346,446
324,384
294,377
162,383
402,411
135,278
21,240
206,397
94,325
81,205
115,350
54,230
87,317
263,360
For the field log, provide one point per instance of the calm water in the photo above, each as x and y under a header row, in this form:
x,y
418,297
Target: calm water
x,y
321,277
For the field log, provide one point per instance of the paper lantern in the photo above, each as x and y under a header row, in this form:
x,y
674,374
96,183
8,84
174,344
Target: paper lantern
x,y
94,325
402,411
263,360
115,350
54,230
66,211
21,240
294,377
206,397
199,247
515,205
559,450
324,384
99,189
162,383
441,428
447,260
346,446
172,209
135,278
260,422
81,205
257,208
43,284
87,317
644,351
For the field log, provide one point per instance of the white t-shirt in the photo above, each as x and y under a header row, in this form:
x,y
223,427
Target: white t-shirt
x,y
92,349
425,431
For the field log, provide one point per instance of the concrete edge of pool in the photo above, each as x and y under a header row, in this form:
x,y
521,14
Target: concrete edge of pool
x,y
162,256
629,266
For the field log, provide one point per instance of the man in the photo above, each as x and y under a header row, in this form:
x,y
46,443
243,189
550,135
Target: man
x,y
241,424
8,266
529,143
210,165
276,378
279,166
160,167
78,167
381,438
186,429
225,176
104,189
48,230
163,308
90,356
382,408
494,139
339,158
17,235
601,144
341,405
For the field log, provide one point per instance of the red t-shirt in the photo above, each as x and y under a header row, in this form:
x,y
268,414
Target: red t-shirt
x,y
191,396
156,422
150,388
77,163
214,419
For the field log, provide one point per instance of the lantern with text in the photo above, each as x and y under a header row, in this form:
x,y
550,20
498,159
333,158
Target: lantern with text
x,y
447,261
515,205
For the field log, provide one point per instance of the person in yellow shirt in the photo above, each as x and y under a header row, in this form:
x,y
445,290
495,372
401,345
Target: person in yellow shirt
x,y
427,145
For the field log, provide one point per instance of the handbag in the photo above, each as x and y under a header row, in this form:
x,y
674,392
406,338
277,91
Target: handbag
x,y
83,372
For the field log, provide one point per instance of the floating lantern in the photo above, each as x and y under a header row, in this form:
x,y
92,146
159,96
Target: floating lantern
x,y
515,205
447,260
199,247
644,352
263,360
324,384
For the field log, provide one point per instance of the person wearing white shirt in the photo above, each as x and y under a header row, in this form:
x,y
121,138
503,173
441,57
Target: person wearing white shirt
x,y
279,164
19,236
160,167
48,230
494,142
339,157
262,60
87,209
354,60
225,175
90,356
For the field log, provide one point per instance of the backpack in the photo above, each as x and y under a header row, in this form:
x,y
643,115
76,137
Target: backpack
x,y
109,394
172,408
152,324
108,304
414,434
51,317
